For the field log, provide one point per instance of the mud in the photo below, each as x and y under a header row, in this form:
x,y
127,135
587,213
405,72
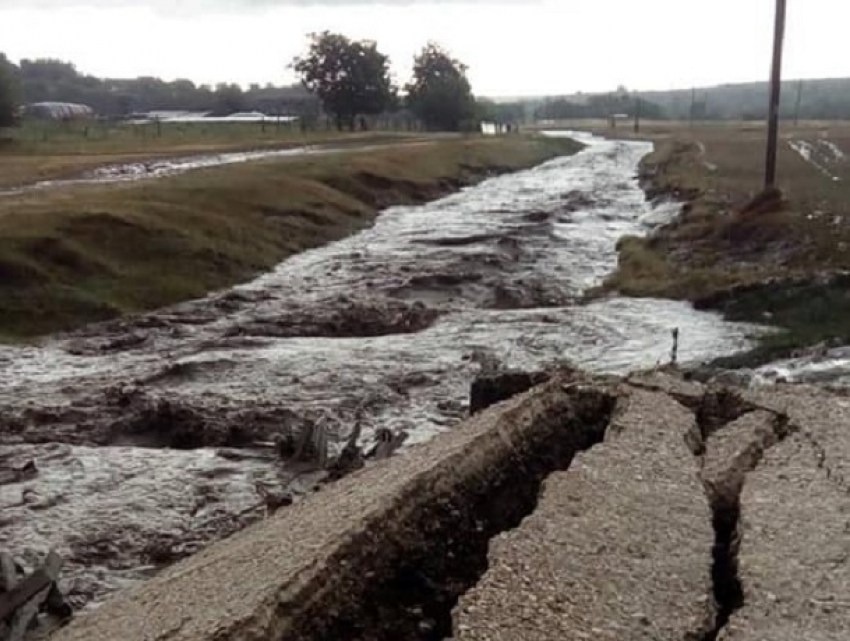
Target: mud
x,y
163,168
346,319
126,420
489,389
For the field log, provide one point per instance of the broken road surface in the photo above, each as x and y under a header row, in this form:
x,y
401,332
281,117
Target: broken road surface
x,y
586,508
611,540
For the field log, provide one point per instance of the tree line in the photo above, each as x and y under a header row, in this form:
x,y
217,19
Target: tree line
x,y
347,80
827,99
57,81
599,106
9,92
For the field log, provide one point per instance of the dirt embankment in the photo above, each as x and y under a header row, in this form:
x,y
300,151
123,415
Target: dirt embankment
x,y
780,263
73,256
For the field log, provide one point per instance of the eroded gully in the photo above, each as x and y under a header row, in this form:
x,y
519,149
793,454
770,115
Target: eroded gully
x,y
396,321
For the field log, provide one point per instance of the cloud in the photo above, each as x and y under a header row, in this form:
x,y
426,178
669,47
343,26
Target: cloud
x,y
217,5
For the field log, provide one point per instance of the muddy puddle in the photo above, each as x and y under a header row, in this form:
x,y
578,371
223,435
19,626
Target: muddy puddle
x,y
149,434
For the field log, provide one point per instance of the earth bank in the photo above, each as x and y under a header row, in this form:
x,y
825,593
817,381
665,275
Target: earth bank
x,y
76,255
777,259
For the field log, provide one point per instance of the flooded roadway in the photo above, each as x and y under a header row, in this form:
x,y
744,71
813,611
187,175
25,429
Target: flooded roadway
x,y
397,319
167,167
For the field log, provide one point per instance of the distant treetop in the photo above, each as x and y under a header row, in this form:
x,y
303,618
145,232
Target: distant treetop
x,y
351,78
9,92
440,93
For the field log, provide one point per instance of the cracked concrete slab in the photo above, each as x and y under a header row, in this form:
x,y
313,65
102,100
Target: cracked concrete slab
x,y
794,557
636,541
669,383
734,451
822,417
619,547
310,571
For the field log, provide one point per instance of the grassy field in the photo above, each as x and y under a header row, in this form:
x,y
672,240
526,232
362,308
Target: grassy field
x,y
770,265
79,254
56,150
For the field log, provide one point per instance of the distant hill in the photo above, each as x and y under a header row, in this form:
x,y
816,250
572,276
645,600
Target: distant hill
x,y
826,99
820,100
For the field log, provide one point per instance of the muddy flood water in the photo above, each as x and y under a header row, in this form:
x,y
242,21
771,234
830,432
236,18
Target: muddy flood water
x,y
148,434
168,167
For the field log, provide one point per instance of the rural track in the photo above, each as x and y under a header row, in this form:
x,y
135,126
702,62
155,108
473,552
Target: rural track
x,y
166,165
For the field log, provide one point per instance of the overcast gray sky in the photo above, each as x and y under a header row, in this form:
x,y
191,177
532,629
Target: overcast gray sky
x,y
513,47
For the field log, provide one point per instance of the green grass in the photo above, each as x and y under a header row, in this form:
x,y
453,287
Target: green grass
x,y
75,255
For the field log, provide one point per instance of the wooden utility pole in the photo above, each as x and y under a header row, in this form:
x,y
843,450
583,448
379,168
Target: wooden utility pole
x,y
775,94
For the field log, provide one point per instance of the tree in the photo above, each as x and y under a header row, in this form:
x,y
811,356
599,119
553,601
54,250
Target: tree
x,y
562,109
501,112
8,92
350,78
605,105
440,94
229,99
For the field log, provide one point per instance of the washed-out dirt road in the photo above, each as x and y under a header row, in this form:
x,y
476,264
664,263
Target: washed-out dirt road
x,y
149,433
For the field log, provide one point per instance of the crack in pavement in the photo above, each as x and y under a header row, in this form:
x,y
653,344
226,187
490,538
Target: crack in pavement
x,y
593,560
732,450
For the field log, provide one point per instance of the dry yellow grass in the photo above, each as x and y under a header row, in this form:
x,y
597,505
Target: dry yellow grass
x,y
27,158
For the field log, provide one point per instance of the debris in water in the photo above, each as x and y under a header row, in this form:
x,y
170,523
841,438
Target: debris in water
x,y
273,499
23,598
387,443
